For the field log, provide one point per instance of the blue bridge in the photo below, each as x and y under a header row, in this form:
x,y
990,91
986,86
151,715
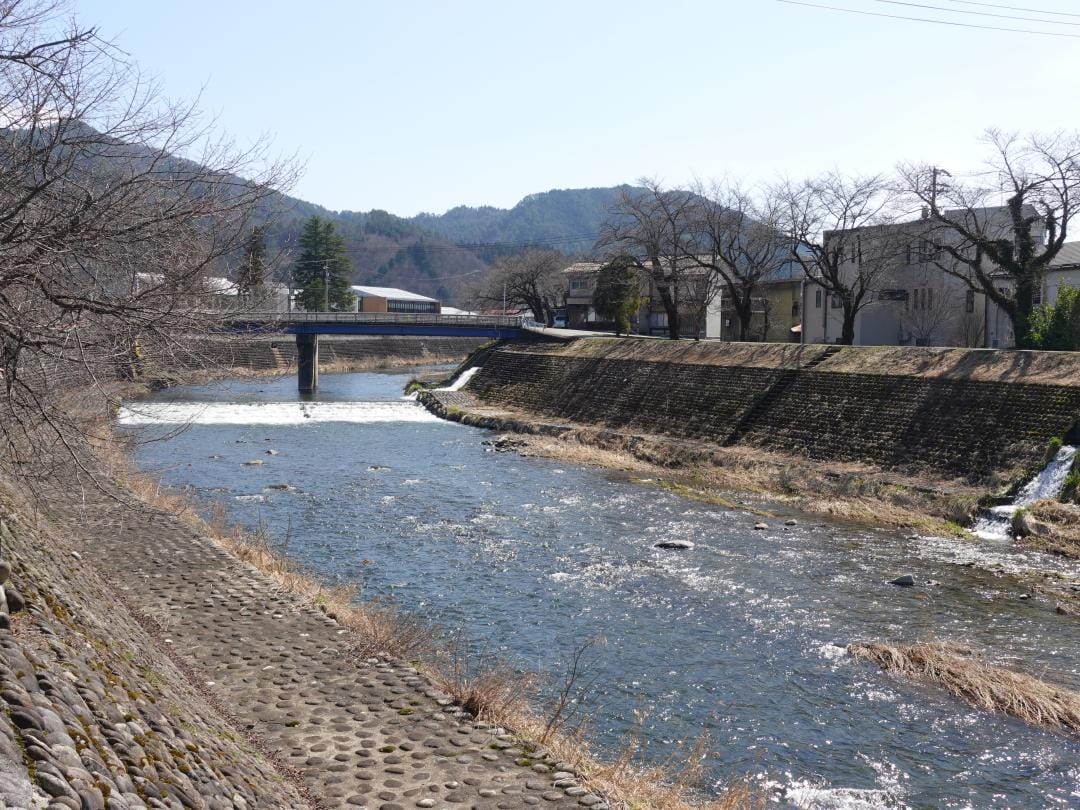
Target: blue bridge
x,y
307,326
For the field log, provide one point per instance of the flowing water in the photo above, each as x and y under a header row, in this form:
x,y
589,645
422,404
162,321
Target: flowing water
x,y
997,523
740,638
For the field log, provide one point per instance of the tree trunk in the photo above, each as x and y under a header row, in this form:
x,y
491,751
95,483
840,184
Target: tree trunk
x,y
672,310
1020,313
847,330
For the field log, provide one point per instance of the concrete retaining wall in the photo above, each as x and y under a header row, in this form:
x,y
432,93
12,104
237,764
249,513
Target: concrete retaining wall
x,y
278,352
979,415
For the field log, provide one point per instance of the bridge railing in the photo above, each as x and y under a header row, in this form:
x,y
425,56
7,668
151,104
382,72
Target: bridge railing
x,y
397,318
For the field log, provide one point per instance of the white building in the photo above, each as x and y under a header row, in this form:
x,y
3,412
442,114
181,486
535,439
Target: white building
x,y
911,301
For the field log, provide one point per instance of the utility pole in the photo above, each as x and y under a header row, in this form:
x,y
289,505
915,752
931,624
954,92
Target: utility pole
x,y
326,285
934,172
504,298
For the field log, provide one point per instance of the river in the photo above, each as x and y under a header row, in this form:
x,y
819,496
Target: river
x,y
739,638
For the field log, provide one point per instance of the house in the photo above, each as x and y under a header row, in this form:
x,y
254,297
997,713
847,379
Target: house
x,y
1064,272
705,307
911,300
390,299
699,303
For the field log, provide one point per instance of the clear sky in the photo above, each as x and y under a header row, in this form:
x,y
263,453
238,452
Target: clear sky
x,y
418,105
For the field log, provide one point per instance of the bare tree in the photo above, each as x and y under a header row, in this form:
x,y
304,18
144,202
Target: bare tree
x,y
655,226
532,279
930,308
114,206
841,235
1003,254
741,239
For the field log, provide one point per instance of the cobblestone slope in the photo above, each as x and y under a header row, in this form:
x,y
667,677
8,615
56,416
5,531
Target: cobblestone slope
x,y
153,669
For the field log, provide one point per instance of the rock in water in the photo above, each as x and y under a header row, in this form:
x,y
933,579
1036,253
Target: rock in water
x,y
906,581
760,526
678,545
255,462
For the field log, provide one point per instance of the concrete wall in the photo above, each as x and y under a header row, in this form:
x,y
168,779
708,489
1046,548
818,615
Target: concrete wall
x,y
265,352
975,414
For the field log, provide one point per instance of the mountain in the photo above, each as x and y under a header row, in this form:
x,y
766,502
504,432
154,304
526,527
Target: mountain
x,y
439,255
568,220
446,255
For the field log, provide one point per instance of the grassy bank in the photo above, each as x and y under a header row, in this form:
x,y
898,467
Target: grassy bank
x,y
732,476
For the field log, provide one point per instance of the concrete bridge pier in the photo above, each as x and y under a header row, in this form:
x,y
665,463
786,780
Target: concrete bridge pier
x,y
307,363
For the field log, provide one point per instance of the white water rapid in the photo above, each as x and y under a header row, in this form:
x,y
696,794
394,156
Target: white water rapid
x,y
1047,484
463,378
270,413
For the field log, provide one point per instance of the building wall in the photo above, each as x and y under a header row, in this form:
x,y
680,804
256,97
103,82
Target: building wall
x,y
371,304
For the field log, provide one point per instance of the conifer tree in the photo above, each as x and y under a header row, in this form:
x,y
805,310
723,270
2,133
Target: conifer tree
x,y
251,278
323,270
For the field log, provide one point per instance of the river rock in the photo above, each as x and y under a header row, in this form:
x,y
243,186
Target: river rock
x,y
5,571
677,545
282,487
905,581
761,526
271,451
255,462
790,522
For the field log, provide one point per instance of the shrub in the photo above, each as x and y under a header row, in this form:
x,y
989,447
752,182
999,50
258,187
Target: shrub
x,y
1058,326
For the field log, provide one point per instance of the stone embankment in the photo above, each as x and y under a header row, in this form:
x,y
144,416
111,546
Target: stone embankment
x,y
977,416
141,665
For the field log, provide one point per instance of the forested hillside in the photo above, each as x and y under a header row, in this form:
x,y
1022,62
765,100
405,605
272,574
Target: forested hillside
x,y
447,255
564,219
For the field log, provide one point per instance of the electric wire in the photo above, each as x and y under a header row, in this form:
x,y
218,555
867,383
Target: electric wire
x,y
1015,8
930,20
976,13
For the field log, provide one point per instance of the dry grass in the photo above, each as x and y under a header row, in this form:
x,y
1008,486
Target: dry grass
x,y
966,674
839,492
1059,528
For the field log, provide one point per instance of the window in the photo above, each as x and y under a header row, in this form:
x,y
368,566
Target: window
x,y
928,252
795,308
1036,296
969,301
579,284
893,295
923,298
817,299
837,301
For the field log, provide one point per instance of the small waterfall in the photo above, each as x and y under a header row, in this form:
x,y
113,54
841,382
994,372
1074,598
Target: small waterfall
x,y
463,378
997,524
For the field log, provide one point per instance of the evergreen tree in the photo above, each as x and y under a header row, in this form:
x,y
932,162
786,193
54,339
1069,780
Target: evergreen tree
x,y
619,295
1057,327
251,278
323,270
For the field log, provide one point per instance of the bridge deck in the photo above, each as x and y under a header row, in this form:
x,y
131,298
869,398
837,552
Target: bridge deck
x,y
382,323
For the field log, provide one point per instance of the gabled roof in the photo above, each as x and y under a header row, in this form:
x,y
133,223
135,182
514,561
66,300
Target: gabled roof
x,y
1068,256
391,293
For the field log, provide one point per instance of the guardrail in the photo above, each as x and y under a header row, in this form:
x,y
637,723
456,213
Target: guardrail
x,y
416,319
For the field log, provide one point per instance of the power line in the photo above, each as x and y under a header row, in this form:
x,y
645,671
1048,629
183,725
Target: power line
x,y
977,13
1014,8
929,20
